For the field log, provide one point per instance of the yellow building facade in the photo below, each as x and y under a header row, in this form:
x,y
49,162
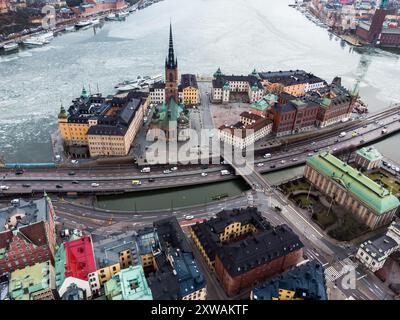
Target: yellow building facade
x,y
190,95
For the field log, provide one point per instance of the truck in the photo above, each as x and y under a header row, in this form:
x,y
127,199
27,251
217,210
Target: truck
x,y
145,170
225,172
342,134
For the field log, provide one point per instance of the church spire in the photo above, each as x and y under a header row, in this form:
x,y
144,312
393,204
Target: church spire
x,y
171,62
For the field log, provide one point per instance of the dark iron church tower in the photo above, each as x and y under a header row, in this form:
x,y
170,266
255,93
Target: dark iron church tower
x,y
171,72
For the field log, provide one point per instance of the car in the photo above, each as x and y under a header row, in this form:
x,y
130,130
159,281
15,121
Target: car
x,y
315,150
272,166
397,169
294,159
334,149
74,161
75,182
71,173
25,185
59,186
204,174
174,168
152,179
283,161
4,187
95,185
136,182
18,172
337,140
204,167
267,155
260,164
365,126
384,163
310,155
312,143
189,217
167,171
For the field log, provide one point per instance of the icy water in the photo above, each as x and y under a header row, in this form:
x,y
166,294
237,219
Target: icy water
x,y
235,35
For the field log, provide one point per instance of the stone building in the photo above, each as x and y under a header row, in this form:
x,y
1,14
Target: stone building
x,y
368,158
371,203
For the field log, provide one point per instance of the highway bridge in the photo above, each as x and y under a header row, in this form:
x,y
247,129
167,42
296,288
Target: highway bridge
x,y
118,179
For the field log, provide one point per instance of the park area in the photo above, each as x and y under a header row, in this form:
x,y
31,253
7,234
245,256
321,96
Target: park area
x,y
337,222
386,180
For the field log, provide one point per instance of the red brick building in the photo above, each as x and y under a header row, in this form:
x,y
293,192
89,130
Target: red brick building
x,y
370,32
27,234
327,106
79,258
243,248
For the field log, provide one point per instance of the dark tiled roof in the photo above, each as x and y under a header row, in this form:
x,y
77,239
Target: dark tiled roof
x,y
258,249
307,281
291,77
188,80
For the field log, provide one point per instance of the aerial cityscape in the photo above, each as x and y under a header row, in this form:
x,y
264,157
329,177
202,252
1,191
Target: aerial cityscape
x,y
193,150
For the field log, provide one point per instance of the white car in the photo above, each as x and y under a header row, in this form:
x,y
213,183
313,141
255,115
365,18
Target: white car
x,y
74,161
310,155
283,161
204,174
95,185
174,168
4,187
189,217
167,171
294,159
397,169
260,164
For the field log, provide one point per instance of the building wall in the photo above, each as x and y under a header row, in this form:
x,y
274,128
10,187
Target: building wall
x,y
94,282
73,133
233,285
210,262
367,164
106,273
157,96
197,295
190,95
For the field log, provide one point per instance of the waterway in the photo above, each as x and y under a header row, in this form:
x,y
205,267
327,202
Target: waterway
x,y
235,35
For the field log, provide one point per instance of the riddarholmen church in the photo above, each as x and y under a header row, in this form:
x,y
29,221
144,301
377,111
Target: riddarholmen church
x,y
171,117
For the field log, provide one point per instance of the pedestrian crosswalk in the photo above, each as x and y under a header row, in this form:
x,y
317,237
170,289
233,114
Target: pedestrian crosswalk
x,y
332,274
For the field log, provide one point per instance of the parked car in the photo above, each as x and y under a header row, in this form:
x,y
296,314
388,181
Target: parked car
x,y
75,182
71,173
59,186
204,174
95,185
25,185
152,179
189,217
174,168
167,171
260,164
19,171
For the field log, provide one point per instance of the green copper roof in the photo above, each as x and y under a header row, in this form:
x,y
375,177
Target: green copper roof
x,y
218,73
60,260
226,86
168,112
326,102
29,280
298,102
128,284
363,188
260,105
84,93
370,153
271,97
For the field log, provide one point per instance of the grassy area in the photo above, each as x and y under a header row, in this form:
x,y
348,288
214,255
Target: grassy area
x,y
302,200
348,228
295,185
323,219
387,180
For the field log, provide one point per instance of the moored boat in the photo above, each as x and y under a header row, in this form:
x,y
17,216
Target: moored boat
x,y
11,46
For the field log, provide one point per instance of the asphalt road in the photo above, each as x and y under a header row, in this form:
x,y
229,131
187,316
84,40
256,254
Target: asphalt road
x,y
119,179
